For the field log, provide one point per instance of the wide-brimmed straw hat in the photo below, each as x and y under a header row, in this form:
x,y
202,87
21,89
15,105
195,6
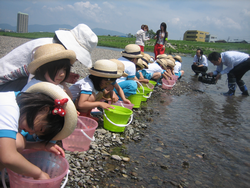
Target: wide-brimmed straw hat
x,y
177,57
146,58
55,92
82,40
170,62
105,68
161,56
140,63
132,51
50,52
163,63
120,67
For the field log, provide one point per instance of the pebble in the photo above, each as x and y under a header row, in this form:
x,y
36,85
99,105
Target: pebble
x,y
87,167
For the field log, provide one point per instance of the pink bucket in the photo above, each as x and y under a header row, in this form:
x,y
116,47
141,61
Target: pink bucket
x,y
167,84
121,103
55,165
175,77
82,136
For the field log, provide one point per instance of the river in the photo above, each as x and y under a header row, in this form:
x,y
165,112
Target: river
x,y
200,140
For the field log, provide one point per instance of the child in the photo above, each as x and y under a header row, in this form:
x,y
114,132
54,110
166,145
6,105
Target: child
x,y
52,63
130,56
110,90
177,68
35,111
140,66
87,92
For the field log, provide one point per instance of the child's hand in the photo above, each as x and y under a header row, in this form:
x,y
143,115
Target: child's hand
x,y
72,78
43,176
54,148
105,106
126,101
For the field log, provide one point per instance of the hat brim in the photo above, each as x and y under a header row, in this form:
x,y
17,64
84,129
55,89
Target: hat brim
x,y
131,55
104,75
67,54
55,92
69,41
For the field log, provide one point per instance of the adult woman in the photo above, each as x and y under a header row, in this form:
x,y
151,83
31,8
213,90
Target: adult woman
x,y
162,38
141,37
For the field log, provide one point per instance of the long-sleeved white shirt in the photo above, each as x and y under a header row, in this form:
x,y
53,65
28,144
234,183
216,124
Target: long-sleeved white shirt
x,y
141,37
230,59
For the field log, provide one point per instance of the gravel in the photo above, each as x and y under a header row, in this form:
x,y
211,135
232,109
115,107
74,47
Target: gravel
x,y
87,168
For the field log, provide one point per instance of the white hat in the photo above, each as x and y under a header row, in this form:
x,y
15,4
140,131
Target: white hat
x,y
82,40
132,51
55,92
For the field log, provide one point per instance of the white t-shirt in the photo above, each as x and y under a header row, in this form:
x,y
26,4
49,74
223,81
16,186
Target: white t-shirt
x,y
130,69
9,115
177,67
84,85
154,67
201,61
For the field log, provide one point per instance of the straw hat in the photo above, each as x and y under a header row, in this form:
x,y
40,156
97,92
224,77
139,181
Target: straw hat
x,y
163,63
152,59
82,40
120,67
161,56
105,68
146,58
170,62
55,92
132,51
140,63
177,57
50,52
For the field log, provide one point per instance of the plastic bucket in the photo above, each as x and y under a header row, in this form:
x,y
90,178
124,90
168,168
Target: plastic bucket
x,y
148,85
136,99
117,119
55,165
121,103
82,136
152,82
167,84
175,77
147,93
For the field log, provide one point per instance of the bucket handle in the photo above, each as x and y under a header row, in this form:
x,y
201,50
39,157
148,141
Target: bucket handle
x,y
141,86
92,139
119,125
149,95
4,183
3,178
66,179
169,85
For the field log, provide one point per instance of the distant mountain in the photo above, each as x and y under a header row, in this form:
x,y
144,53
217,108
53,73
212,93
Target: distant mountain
x,y
99,31
53,28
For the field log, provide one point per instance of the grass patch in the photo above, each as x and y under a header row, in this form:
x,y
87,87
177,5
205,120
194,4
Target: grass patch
x,y
179,46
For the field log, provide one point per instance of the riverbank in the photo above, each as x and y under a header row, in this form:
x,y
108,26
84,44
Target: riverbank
x,y
107,157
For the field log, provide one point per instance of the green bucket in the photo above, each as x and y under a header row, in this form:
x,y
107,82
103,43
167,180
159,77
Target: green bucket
x,y
116,119
136,99
147,93
152,82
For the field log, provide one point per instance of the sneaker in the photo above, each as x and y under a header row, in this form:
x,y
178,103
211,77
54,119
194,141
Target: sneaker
x,y
95,111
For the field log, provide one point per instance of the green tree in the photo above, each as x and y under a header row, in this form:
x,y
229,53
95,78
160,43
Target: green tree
x,y
151,33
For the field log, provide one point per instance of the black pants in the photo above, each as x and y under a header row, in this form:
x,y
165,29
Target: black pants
x,y
16,85
197,69
238,71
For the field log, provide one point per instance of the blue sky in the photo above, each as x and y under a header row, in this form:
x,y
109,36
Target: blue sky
x,y
223,18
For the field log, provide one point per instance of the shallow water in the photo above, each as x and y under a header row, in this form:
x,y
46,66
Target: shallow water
x,y
200,140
